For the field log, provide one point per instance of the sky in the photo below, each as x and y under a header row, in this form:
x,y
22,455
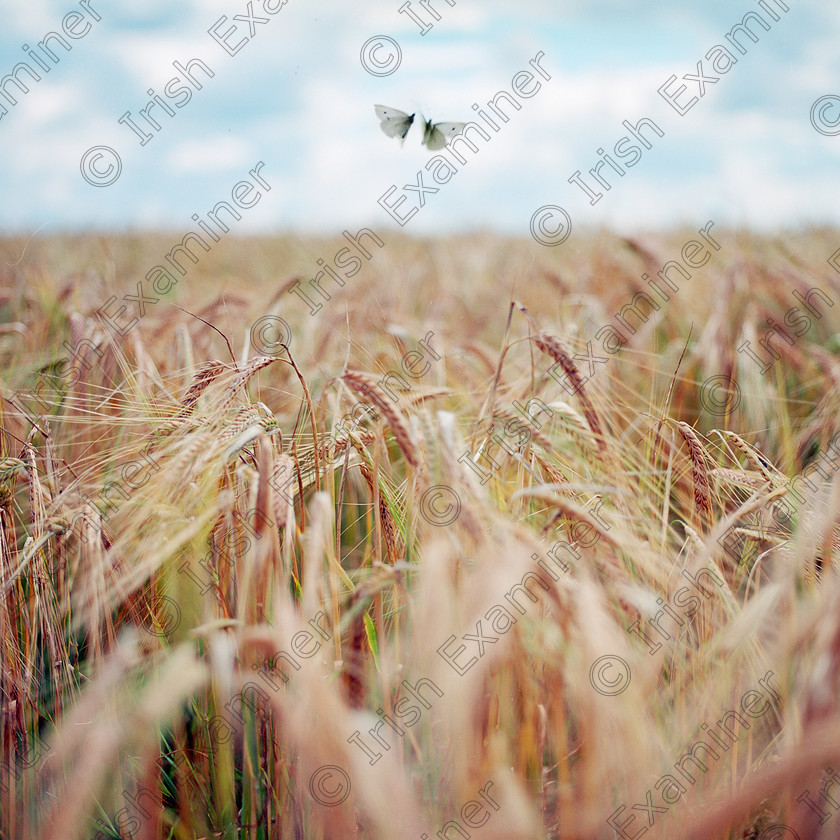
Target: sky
x,y
293,88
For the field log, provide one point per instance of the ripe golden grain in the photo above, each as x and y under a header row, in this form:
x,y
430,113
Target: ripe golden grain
x,y
552,347
365,387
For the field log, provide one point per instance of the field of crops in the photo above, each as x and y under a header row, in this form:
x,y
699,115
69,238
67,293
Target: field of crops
x,y
483,541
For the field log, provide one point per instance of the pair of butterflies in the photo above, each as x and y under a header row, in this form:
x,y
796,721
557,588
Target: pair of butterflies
x,y
435,135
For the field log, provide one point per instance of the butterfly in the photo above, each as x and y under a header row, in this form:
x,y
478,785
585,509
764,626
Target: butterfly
x,y
394,123
437,135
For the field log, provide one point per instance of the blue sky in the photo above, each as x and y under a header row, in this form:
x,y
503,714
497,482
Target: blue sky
x,y
297,98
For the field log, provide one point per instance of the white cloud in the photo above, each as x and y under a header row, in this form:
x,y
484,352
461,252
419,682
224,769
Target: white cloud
x,y
298,98
211,153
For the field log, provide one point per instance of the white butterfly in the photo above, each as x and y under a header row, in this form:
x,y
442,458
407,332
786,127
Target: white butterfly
x,y
393,122
437,135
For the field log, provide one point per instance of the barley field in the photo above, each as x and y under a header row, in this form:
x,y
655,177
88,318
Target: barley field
x,y
488,541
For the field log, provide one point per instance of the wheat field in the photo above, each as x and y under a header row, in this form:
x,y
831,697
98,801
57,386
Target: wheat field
x,y
501,542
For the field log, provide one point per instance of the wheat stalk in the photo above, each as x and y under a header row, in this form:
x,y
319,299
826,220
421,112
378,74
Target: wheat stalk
x,y
365,387
552,347
699,472
754,457
256,364
203,377
386,519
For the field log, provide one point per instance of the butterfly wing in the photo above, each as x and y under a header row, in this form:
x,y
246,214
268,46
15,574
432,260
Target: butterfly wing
x,y
438,135
393,122
427,131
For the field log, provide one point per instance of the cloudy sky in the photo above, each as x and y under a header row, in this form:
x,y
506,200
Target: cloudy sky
x,y
290,89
